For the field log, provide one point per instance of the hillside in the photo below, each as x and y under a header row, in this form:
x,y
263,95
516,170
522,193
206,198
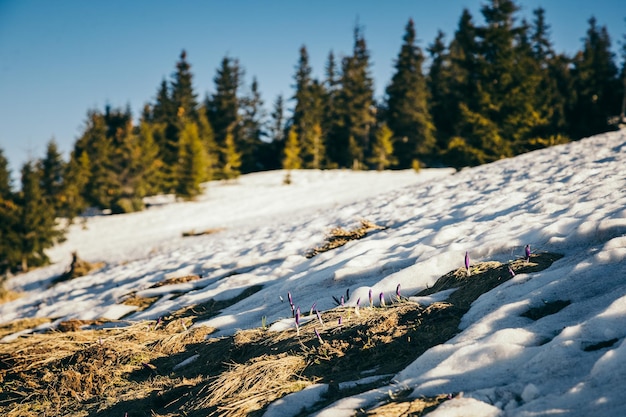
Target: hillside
x,y
194,297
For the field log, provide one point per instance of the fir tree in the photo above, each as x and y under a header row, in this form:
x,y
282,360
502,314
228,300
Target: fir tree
x,y
207,137
441,104
232,157
308,113
102,183
382,152
407,104
192,161
37,225
223,111
184,100
595,83
52,168
292,159
75,180
350,145
9,238
252,129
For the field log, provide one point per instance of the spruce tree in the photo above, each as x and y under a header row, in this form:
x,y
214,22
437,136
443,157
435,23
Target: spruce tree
x,y
350,144
102,183
75,180
52,168
184,100
596,84
407,104
232,157
439,82
9,237
382,152
308,113
223,112
292,158
192,162
253,120
37,225
207,137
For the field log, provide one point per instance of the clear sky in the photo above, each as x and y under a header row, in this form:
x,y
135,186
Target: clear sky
x,y
59,59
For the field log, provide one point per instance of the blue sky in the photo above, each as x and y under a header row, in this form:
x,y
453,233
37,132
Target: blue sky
x,y
59,59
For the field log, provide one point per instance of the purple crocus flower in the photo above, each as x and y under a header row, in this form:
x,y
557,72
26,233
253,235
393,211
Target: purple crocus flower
x,y
398,292
319,317
527,252
298,321
381,297
312,308
371,299
318,336
289,297
342,300
467,263
511,271
356,307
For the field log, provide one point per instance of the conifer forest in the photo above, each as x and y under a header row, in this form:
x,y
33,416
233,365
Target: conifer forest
x,y
485,92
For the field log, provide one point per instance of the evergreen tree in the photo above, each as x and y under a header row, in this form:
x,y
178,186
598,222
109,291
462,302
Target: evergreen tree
x,y
439,86
350,145
184,100
331,122
308,113
555,84
292,158
223,111
52,168
382,153
102,184
277,126
75,180
207,137
407,104
595,83
232,157
37,226
252,130
192,162
9,238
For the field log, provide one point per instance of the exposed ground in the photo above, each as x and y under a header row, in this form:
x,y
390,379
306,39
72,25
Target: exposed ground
x,y
109,369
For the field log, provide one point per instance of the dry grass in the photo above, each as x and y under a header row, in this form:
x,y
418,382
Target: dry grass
x,y
176,280
248,387
338,237
8,295
405,408
134,369
192,233
78,268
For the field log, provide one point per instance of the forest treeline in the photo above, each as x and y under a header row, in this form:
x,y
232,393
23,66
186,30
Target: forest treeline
x,y
492,91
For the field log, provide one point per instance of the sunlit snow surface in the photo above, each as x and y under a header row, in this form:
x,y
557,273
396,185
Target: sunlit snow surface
x,y
567,199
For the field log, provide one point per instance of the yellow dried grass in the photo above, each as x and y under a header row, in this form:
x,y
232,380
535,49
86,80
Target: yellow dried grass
x,y
248,387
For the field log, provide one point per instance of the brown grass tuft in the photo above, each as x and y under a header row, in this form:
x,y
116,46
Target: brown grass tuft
x,y
338,237
134,368
245,388
211,231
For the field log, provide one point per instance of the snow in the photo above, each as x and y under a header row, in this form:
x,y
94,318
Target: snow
x,y
568,199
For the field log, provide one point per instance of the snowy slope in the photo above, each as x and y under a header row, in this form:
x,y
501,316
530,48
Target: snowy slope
x,y
568,199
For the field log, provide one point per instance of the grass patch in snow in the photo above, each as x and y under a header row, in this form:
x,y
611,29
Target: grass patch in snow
x,y
138,369
211,231
338,237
